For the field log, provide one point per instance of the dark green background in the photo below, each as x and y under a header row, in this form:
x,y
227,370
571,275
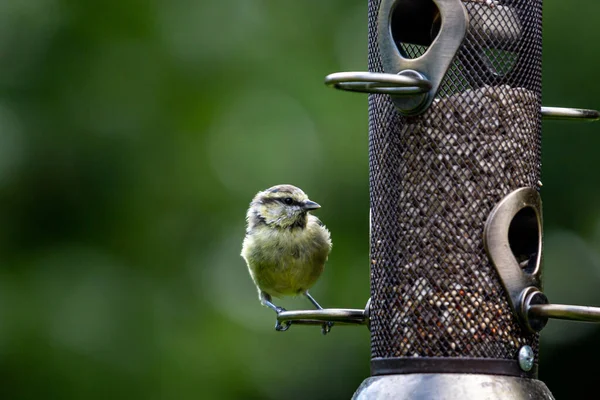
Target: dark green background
x,y
133,135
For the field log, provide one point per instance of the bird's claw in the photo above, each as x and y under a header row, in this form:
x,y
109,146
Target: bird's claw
x,y
326,328
282,327
279,327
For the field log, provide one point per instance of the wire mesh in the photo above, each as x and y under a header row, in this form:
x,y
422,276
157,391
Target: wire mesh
x,y
435,178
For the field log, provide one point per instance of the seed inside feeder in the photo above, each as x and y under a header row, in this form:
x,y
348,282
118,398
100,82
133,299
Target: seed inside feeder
x,y
455,162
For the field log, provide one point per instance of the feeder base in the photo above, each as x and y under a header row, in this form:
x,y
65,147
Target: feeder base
x,y
451,387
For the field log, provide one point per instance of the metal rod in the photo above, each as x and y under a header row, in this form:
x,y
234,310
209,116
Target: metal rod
x,y
383,83
568,312
371,82
317,317
570,113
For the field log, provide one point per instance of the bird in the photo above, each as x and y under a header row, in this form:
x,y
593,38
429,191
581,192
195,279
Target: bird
x,y
285,246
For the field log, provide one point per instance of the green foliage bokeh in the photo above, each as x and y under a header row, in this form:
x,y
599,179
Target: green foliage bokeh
x,y
133,135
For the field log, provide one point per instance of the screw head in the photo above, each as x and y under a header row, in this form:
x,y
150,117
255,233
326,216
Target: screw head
x,y
526,358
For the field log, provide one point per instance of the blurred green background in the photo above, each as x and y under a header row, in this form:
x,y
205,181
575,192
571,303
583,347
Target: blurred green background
x,y
133,135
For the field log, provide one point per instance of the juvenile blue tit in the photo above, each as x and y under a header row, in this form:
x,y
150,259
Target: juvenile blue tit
x,y
285,246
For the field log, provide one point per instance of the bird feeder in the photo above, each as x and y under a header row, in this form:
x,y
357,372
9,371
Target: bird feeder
x,y
455,115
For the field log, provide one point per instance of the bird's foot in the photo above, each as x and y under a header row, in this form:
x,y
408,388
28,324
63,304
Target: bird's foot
x,y
279,310
326,328
279,327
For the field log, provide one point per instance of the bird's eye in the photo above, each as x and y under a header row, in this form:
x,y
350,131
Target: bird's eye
x,y
289,201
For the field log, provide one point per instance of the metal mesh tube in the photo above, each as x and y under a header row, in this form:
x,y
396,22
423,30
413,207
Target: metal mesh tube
x,y
435,178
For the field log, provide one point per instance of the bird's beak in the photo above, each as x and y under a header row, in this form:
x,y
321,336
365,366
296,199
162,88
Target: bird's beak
x,y
310,205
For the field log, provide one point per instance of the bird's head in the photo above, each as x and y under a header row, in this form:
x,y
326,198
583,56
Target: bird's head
x,y
281,206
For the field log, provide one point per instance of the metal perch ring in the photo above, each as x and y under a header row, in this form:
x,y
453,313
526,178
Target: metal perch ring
x,y
570,113
567,312
374,82
317,317
384,83
341,316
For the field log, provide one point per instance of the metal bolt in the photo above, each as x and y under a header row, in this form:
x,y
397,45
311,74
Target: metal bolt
x,y
526,358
